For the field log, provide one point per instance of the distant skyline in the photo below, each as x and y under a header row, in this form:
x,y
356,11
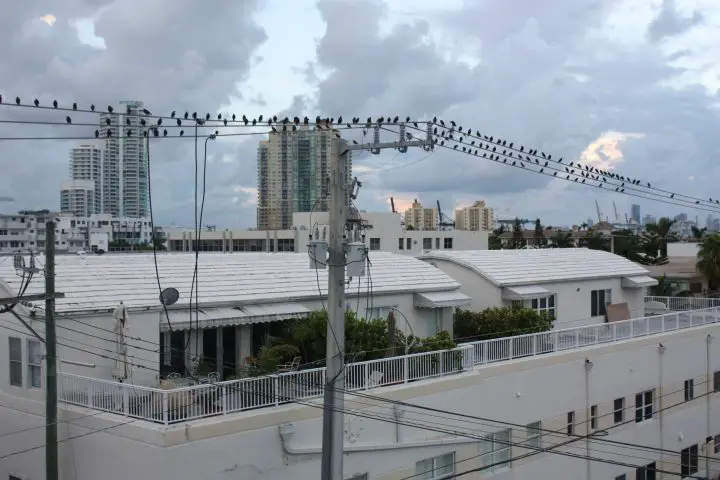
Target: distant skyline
x,y
621,85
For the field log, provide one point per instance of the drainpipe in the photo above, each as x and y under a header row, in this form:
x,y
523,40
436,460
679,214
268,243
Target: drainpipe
x,y
588,432
661,407
709,384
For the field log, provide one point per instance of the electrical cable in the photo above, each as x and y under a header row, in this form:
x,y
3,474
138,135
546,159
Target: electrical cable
x,y
592,173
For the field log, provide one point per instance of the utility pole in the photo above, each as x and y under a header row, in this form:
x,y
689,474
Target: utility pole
x,y
337,255
51,400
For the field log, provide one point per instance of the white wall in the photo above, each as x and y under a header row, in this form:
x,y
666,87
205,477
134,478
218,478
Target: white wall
x,y
573,298
678,249
248,445
90,342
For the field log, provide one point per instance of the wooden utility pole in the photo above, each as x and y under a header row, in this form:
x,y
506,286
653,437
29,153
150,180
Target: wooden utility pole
x,y
51,400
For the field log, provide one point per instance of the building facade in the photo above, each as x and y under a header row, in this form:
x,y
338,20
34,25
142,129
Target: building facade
x,y
634,400
635,213
125,163
86,165
418,217
292,168
78,197
477,216
384,233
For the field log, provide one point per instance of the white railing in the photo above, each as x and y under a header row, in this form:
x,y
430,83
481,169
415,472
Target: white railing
x,y
677,304
189,403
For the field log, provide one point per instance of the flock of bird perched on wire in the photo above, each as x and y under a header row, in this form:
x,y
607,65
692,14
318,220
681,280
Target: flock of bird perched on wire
x,y
444,135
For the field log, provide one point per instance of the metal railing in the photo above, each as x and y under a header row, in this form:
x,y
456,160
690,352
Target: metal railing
x,y
206,400
677,304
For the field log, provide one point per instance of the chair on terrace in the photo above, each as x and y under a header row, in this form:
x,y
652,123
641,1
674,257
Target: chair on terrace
x,y
292,366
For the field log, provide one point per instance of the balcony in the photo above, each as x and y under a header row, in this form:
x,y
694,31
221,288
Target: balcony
x,y
212,399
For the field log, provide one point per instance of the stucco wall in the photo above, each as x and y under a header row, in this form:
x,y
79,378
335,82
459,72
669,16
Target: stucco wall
x,y
248,445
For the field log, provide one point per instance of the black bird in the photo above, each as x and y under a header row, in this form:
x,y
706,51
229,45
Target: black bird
x,y
182,132
97,133
146,111
17,100
55,104
180,123
107,121
187,115
172,114
68,120
159,122
36,102
92,107
74,106
110,109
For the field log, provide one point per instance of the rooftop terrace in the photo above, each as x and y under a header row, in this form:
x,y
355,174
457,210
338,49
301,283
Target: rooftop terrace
x,y
184,404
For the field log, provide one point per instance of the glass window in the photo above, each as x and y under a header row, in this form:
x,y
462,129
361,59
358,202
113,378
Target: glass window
x,y
16,369
644,406
534,438
689,389
544,305
34,364
593,416
496,448
436,468
619,410
689,461
571,423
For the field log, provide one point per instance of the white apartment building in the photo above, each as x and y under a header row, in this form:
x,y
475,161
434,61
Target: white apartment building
x,y
125,163
477,216
384,233
25,231
418,217
610,401
86,165
78,197
292,167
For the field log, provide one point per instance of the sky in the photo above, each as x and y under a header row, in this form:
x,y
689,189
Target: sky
x,y
628,86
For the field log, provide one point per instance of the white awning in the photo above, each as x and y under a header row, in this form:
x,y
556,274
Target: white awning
x,y
231,316
525,292
638,282
453,298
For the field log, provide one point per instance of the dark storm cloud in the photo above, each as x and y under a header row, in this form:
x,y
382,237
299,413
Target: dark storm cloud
x,y
171,54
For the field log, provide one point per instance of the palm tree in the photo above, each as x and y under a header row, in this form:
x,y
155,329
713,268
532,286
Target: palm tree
x,y
662,230
708,260
539,234
650,250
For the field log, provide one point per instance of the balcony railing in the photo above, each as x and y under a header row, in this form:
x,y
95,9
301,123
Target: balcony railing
x,y
199,401
677,304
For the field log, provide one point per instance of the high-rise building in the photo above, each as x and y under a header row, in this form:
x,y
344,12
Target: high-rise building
x,y
418,217
635,213
79,198
292,167
85,173
477,216
125,163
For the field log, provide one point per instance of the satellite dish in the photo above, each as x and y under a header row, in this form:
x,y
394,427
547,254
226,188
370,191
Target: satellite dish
x,y
169,296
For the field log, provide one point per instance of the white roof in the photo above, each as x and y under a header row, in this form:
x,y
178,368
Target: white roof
x,y
506,268
97,282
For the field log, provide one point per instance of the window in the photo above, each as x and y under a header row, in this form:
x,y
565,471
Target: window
x,y
448,242
593,417
644,406
717,444
376,313
689,461
16,368
619,410
716,381
689,389
374,243
34,364
435,468
534,439
427,243
621,477
495,448
544,305
571,423
401,244
408,242
599,300
437,243
645,473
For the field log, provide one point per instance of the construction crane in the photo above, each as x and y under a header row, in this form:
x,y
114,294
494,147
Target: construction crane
x,y
599,214
392,205
443,221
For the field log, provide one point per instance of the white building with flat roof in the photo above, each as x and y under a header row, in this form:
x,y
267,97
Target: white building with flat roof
x,y
597,402
576,286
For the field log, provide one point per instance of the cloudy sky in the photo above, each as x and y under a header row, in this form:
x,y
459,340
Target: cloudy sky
x,y
628,85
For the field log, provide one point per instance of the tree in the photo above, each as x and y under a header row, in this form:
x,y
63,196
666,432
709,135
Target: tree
x,y
698,233
518,239
539,234
627,244
650,250
498,322
662,229
596,241
562,240
708,260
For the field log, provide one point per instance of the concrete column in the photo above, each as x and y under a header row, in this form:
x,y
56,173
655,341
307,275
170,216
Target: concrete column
x,y
219,354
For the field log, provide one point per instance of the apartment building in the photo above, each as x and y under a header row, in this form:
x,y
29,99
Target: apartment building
x,y
477,216
78,197
86,165
124,172
418,217
292,168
